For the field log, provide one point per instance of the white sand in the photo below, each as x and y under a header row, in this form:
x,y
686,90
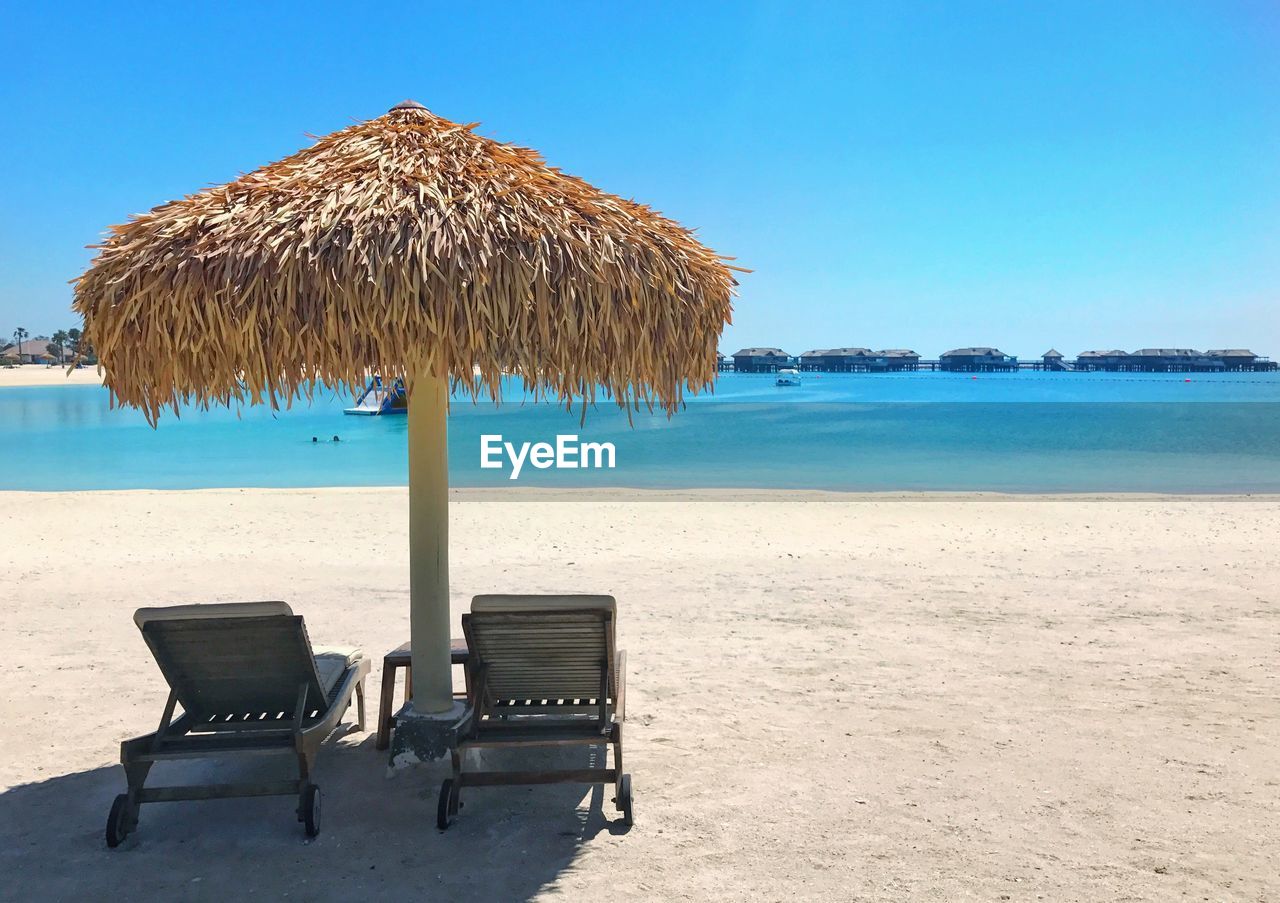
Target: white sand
x,y
41,375
902,698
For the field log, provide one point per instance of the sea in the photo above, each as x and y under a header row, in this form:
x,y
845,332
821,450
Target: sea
x,y
1018,432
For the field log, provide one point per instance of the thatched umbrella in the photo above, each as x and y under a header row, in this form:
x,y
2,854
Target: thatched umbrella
x,y
410,246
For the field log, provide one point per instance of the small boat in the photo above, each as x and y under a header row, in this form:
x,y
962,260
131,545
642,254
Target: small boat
x,y
380,399
788,377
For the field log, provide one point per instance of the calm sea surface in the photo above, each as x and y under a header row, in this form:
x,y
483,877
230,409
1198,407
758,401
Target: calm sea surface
x,y
1021,432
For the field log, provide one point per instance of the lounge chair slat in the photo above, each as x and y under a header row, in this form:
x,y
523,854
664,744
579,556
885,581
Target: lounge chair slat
x,y
235,664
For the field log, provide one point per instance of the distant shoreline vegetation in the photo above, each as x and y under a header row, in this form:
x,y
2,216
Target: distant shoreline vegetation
x,y
64,346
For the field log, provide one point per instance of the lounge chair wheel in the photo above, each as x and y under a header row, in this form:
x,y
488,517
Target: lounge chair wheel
x,y
624,799
447,807
118,821
309,809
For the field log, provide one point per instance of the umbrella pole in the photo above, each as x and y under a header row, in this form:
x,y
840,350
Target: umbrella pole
x,y
429,624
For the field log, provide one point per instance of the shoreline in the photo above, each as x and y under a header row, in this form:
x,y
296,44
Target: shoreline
x,y
531,494
30,376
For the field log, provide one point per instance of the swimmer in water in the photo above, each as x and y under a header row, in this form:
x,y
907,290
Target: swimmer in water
x,y
336,439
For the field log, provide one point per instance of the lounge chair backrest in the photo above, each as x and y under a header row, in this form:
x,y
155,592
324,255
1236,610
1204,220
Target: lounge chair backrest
x,y
542,647
233,658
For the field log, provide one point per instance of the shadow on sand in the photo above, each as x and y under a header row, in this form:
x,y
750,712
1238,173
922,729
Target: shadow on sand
x,y
378,836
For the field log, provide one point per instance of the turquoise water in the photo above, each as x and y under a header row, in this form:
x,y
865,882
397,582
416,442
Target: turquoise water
x,y
1020,432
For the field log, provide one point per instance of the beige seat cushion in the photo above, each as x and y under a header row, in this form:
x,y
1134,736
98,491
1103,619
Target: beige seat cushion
x,y
210,610
332,663
495,603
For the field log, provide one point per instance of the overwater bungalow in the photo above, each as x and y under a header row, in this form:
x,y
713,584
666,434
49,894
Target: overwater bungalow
x,y
1171,360
900,359
1174,360
853,360
970,360
812,360
1240,359
983,359
1054,359
1102,360
858,360
723,363
850,360
760,360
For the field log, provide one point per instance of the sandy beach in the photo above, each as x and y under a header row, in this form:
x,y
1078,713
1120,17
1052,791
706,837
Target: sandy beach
x,y
831,697
41,375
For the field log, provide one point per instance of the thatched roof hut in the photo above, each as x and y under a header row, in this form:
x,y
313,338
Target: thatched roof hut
x,y
404,243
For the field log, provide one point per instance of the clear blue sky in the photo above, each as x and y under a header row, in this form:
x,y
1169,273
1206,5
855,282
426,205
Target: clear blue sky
x,y
918,175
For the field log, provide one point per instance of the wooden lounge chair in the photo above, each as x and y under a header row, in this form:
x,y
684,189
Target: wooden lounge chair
x,y
542,671
248,683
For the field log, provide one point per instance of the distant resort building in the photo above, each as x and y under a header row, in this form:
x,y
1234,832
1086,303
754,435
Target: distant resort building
x,y
760,360
812,360
859,360
837,360
1241,359
32,351
1054,360
988,360
971,360
1102,360
1170,360
901,359
1174,360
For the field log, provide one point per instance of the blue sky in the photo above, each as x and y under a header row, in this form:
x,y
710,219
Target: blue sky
x,y
920,175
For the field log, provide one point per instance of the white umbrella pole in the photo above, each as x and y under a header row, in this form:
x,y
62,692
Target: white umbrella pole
x,y
429,623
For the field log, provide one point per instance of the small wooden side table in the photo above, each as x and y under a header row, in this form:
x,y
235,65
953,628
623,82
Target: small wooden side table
x,y
393,661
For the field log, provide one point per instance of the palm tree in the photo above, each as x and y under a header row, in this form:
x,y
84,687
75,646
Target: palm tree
x,y
60,339
19,336
78,345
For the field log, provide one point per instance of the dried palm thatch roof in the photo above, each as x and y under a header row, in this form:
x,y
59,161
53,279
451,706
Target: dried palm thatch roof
x,y
404,244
